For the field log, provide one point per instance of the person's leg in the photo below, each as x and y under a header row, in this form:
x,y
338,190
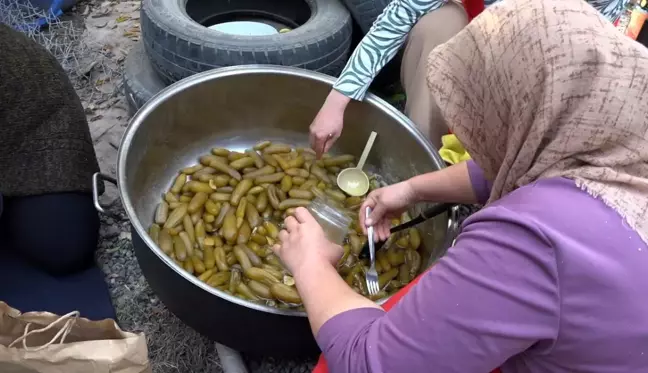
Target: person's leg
x,y
48,227
47,245
56,232
28,288
433,29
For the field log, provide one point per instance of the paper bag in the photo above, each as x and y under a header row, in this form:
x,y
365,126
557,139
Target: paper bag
x,y
42,342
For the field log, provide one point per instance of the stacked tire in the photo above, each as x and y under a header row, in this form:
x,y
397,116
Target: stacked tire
x,y
177,41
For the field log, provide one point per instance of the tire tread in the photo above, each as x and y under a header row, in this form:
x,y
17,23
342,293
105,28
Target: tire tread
x,y
176,58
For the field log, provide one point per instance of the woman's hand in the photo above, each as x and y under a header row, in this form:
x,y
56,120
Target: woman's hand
x,y
327,125
303,242
386,203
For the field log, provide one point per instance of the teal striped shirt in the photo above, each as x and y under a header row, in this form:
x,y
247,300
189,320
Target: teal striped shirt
x,y
388,34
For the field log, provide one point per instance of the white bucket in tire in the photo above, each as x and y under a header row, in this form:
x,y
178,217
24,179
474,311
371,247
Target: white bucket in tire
x,y
247,28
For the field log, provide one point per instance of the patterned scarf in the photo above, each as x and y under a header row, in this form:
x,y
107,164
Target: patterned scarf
x,y
539,89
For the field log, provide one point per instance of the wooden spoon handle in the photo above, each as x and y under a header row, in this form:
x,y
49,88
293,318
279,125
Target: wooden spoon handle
x,y
367,149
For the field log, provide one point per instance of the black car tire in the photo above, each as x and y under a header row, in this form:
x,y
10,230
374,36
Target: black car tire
x,y
141,81
180,46
365,12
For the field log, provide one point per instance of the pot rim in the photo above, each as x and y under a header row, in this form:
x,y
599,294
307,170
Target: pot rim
x,y
199,78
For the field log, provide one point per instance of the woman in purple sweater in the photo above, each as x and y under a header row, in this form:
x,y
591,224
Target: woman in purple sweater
x,y
552,274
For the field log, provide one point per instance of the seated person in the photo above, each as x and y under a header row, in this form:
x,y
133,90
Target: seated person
x,y
48,225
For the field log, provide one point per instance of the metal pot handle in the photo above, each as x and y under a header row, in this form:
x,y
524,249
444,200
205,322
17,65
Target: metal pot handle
x,y
96,178
131,100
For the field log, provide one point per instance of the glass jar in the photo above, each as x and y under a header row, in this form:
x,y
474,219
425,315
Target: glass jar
x,y
332,217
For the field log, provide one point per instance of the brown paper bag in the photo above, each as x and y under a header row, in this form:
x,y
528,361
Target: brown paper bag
x,y
42,342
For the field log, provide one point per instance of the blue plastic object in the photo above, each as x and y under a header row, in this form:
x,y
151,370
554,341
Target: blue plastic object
x,y
57,7
53,5
54,8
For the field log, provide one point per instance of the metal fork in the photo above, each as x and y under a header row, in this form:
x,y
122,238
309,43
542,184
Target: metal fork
x,y
372,275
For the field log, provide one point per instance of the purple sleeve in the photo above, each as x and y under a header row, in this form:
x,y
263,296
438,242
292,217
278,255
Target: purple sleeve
x,y
492,296
481,186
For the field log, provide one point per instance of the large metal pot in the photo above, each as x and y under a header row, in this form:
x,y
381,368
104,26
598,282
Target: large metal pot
x,y
235,108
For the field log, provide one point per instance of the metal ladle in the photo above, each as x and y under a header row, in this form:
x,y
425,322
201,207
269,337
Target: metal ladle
x,y
353,181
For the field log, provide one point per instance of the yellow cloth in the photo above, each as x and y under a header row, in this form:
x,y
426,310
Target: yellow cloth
x,y
452,151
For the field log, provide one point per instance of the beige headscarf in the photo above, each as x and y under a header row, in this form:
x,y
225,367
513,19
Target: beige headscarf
x,y
544,88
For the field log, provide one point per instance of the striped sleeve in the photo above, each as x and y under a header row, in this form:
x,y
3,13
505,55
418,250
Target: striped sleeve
x,y
381,44
389,32
611,9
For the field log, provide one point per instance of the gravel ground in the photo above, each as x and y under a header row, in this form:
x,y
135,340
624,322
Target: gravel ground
x,y
173,346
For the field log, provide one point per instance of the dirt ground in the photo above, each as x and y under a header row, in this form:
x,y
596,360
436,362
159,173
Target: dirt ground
x,y
111,28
